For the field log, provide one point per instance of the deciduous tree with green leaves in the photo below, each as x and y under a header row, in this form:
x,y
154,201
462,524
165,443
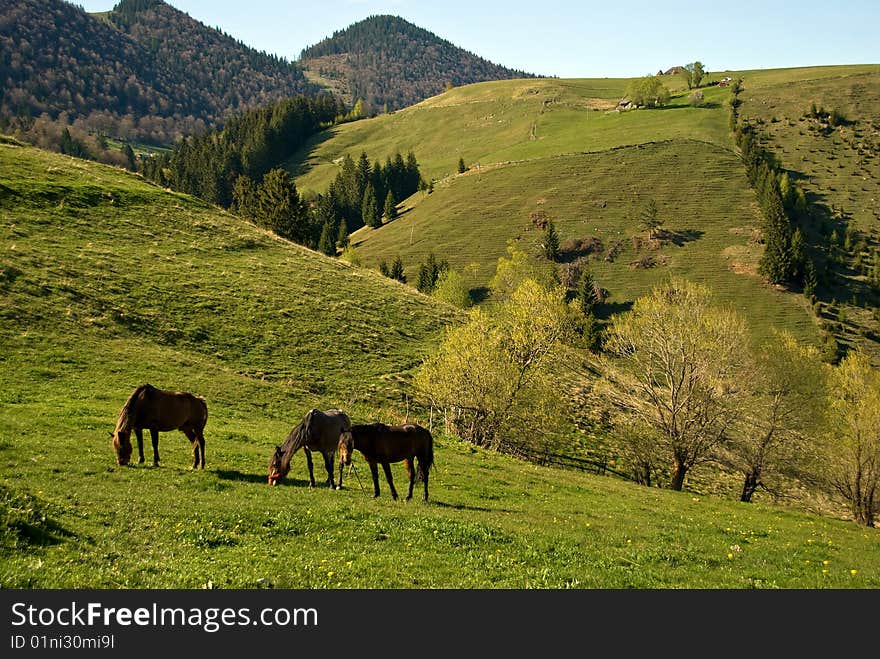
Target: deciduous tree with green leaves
x,y
848,459
648,92
675,367
783,390
491,375
694,73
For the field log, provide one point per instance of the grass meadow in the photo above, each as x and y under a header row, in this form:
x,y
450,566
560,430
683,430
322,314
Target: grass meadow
x,y
108,282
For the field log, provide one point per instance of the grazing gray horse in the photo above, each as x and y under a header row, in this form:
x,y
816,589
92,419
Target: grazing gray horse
x,y
318,431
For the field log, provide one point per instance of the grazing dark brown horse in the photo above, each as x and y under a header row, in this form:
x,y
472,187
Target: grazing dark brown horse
x,y
158,411
318,431
381,444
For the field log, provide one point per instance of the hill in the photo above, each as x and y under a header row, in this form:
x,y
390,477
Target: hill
x,y
825,131
143,71
390,63
561,150
109,282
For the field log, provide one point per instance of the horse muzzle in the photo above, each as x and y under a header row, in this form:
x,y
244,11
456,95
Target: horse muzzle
x,y
274,478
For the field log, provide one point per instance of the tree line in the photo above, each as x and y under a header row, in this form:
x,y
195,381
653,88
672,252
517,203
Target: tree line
x,y
676,383
250,144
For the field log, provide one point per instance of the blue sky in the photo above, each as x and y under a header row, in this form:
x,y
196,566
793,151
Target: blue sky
x,y
577,39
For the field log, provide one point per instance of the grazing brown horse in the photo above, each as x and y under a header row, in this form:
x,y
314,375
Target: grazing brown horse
x,y
381,444
158,411
318,431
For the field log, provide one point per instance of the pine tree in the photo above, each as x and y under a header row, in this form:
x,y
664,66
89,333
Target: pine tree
x,y
342,238
244,197
650,218
551,242
131,161
776,263
370,209
586,294
811,280
397,270
281,209
383,268
390,207
327,241
429,273
462,168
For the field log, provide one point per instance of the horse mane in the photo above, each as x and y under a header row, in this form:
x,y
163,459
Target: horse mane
x,y
125,420
295,440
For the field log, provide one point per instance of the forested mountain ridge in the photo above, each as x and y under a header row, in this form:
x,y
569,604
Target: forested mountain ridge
x,y
144,71
387,61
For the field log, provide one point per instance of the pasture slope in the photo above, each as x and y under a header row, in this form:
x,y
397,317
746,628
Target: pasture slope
x,y
108,282
558,149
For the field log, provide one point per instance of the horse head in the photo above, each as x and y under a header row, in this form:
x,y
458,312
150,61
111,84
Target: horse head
x,y
277,469
122,446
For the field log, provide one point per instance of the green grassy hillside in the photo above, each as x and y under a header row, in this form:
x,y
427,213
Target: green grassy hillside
x,y
711,214
108,282
838,166
500,121
560,147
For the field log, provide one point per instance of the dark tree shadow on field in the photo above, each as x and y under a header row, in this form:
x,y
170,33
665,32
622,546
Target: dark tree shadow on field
x,y
605,310
235,475
679,238
479,294
298,163
461,506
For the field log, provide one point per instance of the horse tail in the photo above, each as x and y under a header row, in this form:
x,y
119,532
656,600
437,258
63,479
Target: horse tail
x,y
429,453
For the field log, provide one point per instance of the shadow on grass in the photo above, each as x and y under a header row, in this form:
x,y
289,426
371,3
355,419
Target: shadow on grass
x,y
605,310
241,477
461,506
25,523
679,238
479,294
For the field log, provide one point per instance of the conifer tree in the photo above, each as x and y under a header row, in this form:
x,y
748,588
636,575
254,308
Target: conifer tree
x,y
551,242
586,293
280,207
327,241
342,238
462,168
128,152
429,273
650,218
244,197
390,206
370,208
397,270
776,263
811,280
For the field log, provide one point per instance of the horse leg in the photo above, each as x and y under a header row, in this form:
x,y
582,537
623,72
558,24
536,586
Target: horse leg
x,y
328,465
387,468
139,433
374,470
201,438
194,440
412,476
311,467
424,472
154,436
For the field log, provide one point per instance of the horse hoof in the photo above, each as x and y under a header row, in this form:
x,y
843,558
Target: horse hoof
x,y
338,487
